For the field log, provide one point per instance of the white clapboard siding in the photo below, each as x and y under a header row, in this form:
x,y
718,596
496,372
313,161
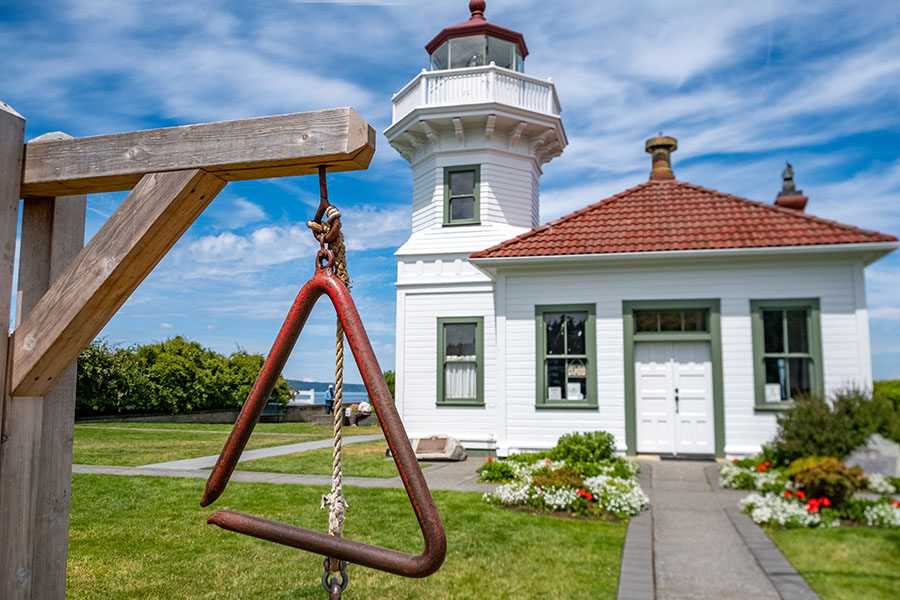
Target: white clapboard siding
x,y
846,360
417,333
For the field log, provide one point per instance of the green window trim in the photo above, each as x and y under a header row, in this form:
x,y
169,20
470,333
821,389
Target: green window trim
x,y
814,333
476,220
590,355
713,336
442,400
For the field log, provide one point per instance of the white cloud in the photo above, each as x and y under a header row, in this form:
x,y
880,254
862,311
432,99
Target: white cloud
x,y
166,326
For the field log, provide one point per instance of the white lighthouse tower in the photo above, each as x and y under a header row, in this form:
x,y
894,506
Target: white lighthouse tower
x,y
476,130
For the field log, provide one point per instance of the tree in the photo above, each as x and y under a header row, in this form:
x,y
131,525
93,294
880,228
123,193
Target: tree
x,y
389,380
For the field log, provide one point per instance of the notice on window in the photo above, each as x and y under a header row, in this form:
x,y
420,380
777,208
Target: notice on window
x,y
577,370
554,392
573,391
773,392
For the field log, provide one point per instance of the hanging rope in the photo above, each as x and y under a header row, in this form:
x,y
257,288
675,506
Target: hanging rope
x,y
328,231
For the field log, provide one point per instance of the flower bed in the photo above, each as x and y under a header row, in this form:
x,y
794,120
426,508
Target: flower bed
x,y
811,492
575,481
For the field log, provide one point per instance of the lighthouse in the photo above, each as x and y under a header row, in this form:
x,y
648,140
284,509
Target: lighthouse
x,y
476,130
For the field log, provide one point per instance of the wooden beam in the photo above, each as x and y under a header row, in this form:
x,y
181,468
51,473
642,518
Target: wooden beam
x,y
12,136
36,461
104,274
260,148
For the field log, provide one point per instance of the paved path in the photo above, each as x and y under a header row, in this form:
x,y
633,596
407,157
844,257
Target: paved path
x,y
699,544
210,461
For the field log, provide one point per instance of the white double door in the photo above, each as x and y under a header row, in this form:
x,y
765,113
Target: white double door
x,y
673,393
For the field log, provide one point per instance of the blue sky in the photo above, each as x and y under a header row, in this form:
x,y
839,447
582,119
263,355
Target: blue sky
x,y
743,86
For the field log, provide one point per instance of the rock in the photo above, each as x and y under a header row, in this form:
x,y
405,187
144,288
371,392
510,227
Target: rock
x,y
877,455
439,447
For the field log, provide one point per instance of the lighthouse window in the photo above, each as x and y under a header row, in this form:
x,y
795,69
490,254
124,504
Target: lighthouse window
x,y
501,53
461,205
467,52
441,57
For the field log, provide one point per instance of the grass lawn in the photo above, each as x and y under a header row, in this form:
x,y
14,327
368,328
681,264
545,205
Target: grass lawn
x,y
319,431
846,562
145,537
364,459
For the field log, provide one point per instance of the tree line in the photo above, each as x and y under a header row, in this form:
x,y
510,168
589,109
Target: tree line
x,y
174,376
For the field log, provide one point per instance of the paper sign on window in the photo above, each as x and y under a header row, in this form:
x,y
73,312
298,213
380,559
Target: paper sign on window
x,y
577,371
573,391
773,392
554,393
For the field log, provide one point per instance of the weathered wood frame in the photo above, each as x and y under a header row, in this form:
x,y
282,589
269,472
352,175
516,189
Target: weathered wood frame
x,y
66,293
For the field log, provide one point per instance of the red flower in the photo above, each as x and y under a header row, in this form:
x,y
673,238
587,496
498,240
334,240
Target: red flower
x,y
761,468
489,459
547,461
812,508
787,494
895,503
587,495
825,501
734,460
801,495
767,463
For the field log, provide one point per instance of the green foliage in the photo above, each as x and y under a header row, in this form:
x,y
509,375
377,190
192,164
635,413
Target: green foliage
x,y
827,476
389,379
527,458
890,389
496,471
855,510
562,477
590,446
175,376
614,467
813,426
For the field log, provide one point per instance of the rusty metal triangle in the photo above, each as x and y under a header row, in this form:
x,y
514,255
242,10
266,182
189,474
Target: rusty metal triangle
x,y
376,557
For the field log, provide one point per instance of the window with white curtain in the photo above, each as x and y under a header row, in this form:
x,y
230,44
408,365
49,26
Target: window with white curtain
x,y
460,360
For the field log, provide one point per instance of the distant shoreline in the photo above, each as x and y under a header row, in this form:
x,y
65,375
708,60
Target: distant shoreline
x,y
322,386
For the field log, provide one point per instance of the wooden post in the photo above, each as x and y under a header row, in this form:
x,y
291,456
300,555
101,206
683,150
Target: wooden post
x,y
12,150
36,462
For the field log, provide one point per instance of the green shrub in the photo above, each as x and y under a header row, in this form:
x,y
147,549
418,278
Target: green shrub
x,y
813,426
526,458
854,510
495,471
890,389
827,477
591,446
563,477
614,467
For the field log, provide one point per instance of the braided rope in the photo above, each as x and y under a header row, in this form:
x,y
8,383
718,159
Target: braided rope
x,y
335,501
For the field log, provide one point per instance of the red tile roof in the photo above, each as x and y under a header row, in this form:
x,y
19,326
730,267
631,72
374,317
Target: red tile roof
x,y
674,215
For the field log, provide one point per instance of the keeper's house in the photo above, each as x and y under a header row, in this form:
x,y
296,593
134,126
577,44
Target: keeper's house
x,y
679,318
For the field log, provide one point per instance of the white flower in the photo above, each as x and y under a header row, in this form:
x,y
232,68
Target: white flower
x,y
879,484
618,496
882,515
772,509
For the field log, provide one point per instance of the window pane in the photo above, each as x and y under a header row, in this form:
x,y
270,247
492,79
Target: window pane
x,y
773,331
462,183
520,62
501,52
556,379
467,52
645,320
576,382
575,333
460,380
670,320
556,331
798,341
776,375
799,370
695,320
460,339
462,209
440,56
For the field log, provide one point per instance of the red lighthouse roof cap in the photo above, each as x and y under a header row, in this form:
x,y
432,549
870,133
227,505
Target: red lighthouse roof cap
x,y
476,25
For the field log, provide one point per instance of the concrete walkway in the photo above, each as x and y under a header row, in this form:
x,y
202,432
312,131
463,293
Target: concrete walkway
x,y
699,544
210,461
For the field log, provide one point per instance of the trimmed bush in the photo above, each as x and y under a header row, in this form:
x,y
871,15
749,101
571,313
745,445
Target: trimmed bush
x,y
890,389
815,427
496,471
591,446
827,477
563,477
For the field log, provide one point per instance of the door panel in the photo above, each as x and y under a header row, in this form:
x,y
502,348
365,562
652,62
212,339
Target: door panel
x,y
664,425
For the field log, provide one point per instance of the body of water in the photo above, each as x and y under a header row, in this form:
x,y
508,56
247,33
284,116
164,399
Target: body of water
x,y
349,397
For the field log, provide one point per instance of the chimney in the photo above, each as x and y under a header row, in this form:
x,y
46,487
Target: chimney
x,y
790,196
661,148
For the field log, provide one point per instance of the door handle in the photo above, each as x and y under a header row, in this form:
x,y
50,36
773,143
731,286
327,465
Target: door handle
x,y
676,401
